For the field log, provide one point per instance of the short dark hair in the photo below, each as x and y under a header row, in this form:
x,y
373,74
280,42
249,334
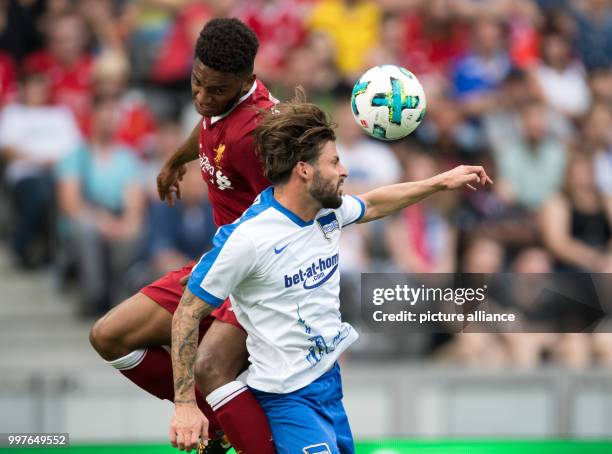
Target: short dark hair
x,y
291,132
227,45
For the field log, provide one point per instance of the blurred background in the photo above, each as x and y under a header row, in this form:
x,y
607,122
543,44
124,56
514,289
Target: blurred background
x,y
95,95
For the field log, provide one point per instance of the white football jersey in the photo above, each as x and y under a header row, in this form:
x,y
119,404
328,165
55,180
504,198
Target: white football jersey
x,y
283,277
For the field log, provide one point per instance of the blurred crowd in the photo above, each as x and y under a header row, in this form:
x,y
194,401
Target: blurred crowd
x,y
95,95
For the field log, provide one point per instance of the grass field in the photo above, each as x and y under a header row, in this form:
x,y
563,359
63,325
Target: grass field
x,y
376,447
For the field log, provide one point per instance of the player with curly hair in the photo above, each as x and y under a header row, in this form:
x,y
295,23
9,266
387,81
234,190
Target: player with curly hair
x,y
135,336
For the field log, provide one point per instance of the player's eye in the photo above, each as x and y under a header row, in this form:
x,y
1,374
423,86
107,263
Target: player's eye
x,y
218,90
195,80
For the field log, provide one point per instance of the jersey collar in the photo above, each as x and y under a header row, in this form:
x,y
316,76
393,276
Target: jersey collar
x,y
215,119
269,196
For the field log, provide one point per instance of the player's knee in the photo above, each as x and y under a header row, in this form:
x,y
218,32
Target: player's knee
x,y
209,371
204,367
103,341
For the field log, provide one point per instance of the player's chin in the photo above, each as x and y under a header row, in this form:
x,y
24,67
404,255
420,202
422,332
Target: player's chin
x,y
206,111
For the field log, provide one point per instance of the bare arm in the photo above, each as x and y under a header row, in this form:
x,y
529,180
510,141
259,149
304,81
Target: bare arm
x,y
188,423
554,223
185,326
174,168
387,200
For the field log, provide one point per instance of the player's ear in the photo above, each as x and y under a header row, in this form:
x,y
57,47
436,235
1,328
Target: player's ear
x,y
303,170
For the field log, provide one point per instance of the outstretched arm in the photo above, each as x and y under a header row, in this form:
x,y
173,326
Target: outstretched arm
x,y
188,422
387,200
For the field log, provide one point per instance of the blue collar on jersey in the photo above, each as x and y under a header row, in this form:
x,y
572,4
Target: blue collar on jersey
x,y
268,196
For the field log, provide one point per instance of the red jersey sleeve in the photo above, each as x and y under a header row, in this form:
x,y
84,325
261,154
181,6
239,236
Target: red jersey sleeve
x,y
248,164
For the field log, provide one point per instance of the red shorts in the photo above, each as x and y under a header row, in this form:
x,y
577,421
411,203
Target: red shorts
x,y
167,292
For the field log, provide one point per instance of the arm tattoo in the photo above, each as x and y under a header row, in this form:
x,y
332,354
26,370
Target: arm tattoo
x,y
185,327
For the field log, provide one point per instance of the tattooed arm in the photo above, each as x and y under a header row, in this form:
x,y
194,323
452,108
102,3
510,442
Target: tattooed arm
x,y
188,423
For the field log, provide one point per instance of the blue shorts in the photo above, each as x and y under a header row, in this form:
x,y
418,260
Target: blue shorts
x,y
310,420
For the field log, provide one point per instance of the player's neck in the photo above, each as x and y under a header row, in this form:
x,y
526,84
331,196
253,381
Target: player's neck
x,y
297,201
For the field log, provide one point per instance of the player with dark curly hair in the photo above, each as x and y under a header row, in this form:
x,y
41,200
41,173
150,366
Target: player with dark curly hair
x,y
134,336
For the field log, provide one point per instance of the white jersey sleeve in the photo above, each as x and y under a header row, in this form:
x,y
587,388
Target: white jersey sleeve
x,y
351,210
222,268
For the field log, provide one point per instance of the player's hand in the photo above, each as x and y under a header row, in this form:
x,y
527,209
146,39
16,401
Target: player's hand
x,y
465,176
187,426
168,183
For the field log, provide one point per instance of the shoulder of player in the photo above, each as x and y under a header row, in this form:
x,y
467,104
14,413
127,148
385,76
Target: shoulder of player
x,y
245,117
250,220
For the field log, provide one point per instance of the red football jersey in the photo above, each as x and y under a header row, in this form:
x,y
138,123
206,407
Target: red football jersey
x,y
229,163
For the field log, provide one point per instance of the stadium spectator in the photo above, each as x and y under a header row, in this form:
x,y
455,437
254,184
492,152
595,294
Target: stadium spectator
x,y
597,139
33,137
20,27
503,123
434,37
527,350
523,18
68,65
601,85
172,64
593,32
8,78
280,28
179,234
102,199
390,46
574,222
479,74
146,24
561,79
419,238
168,137
312,66
530,167
447,131
136,126
339,19
482,255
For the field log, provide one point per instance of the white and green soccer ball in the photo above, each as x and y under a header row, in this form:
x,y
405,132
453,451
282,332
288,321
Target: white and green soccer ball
x,y
388,102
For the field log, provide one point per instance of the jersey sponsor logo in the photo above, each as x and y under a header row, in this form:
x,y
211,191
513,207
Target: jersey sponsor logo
x,y
314,275
321,448
279,250
328,224
217,177
223,182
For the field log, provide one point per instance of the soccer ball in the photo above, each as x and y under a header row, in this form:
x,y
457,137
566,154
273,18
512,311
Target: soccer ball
x,y
388,102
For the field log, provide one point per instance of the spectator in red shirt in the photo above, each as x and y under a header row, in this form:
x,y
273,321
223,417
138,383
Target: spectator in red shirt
x,y
67,64
434,38
8,78
280,28
136,125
